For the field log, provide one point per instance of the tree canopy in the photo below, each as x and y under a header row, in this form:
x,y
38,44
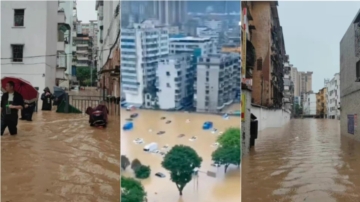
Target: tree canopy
x,y
135,164
181,161
142,172
229,150
131,190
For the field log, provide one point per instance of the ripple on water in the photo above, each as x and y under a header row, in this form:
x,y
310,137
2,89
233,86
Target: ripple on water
x,y
59,157
307,160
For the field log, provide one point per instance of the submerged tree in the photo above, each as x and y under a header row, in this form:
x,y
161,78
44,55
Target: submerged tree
x,y
229,150
124,162
142,172
181,161
131,190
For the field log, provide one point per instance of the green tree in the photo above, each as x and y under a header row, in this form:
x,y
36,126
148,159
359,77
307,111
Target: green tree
x,y
226,156
180,161
231,137
124,162
142,172
83,74
131,190
229,150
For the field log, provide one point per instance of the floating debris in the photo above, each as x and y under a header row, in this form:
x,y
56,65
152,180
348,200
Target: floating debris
x,y
167,122
138,141
134,115
160,133
187,121
181,135
162,118
193,138
150,130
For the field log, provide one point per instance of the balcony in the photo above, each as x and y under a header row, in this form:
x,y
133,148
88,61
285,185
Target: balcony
x,y
61,46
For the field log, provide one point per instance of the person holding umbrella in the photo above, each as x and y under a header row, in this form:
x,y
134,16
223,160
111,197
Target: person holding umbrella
x,y
11,102
47,98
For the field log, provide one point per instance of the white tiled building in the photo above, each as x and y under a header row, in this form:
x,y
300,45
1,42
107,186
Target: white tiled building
x,y
309,104
142,48
189,44
32,35
174,80
333,97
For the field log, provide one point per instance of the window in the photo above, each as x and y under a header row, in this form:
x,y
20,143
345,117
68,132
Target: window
x,y
167,73
17,53
358,69
19,17
168,85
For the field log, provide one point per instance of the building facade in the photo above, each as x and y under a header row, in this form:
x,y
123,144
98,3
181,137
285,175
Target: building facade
x,y
175,82
33,29
333,97
309,104
215,84
349,79
187,44
142,48
305,83
266,37
108,46
321,103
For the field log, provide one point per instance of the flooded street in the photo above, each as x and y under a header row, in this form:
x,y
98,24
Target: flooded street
x,y
205,189
59,157
307,160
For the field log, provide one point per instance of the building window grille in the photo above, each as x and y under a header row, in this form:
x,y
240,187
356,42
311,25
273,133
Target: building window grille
x,y
17,53
19,17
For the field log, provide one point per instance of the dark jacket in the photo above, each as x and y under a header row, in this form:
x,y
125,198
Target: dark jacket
x,y
18,101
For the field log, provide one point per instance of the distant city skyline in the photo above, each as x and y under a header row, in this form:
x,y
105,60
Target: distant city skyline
x,y
312,39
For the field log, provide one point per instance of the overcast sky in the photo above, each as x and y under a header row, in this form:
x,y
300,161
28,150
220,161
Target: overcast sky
x,y
312,32
86,10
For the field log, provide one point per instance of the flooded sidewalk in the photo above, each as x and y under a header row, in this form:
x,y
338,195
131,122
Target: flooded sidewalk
x,y
222,187
307,160
59,157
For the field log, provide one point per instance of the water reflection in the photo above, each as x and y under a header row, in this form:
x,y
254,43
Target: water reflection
x,y
59,157
205,189
307,160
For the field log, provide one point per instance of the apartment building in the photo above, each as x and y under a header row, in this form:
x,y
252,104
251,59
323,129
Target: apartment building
x,y
175,79
142,48
294,75
321,103
350,79
108,46
288,86
91,29
333,97
265,36
169,12
33,28
216,80
309,104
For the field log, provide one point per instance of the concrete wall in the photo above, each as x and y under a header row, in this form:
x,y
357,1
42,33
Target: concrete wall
x,y
349,89
270,118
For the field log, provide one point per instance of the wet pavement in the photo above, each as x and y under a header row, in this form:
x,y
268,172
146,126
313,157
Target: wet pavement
x,y
59,157
307,160
222,187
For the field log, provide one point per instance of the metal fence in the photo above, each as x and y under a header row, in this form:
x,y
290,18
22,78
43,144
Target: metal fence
x,y
82,102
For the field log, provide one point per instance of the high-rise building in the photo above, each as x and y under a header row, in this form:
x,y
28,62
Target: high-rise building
x,y
142,48
170,12
187,44
216,81
305,83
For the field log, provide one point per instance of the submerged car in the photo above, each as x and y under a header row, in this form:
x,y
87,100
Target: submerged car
x,y
161,175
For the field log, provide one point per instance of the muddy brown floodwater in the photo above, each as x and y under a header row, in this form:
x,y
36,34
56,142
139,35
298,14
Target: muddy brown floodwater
x,y
223,187
307,160
59,157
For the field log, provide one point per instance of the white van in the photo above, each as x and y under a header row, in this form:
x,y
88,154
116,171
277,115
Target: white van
x,y
151,147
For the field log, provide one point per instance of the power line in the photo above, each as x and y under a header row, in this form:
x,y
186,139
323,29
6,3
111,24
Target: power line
x,y
36,56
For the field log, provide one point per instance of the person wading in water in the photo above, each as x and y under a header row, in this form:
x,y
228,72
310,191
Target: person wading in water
x,y
11,102
27,112
47,98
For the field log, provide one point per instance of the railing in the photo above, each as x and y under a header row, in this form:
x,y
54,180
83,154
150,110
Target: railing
x,y
82,102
